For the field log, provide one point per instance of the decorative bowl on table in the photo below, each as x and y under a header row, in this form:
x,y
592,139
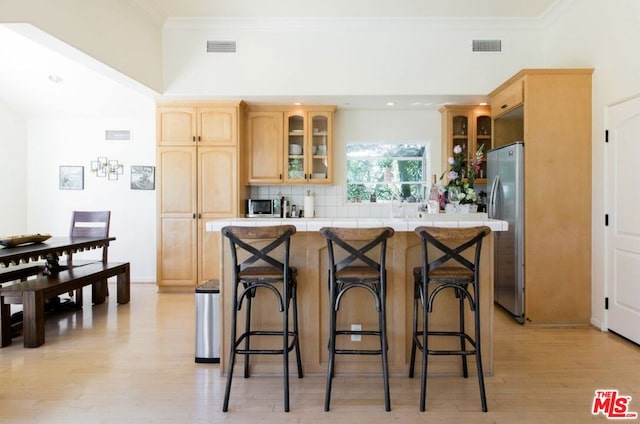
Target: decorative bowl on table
x,y
12,241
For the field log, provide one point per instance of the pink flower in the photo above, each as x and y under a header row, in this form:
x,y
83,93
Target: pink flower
x,y
453,175
457,149
450,160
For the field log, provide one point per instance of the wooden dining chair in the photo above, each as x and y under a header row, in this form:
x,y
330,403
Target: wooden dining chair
x,y
90,224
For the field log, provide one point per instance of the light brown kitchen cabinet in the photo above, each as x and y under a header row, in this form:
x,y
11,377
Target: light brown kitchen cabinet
x,y
308,147
550,110
196,183
206,125
290,146
264,147
468,127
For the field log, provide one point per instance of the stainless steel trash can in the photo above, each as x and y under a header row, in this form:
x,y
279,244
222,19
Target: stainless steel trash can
x,y
208,322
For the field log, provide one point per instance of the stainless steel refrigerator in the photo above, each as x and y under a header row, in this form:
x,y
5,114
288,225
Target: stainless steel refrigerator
x,y
505,173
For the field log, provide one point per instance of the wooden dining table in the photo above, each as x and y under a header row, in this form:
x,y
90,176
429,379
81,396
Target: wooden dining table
x,y
50,251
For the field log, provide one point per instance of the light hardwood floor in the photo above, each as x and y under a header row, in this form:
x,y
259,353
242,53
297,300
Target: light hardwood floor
x,y
135,364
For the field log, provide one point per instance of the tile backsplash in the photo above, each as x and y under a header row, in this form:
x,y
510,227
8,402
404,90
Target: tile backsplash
x,y
330,201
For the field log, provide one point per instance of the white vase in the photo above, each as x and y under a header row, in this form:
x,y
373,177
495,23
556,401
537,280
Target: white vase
x,y
473,208
463,208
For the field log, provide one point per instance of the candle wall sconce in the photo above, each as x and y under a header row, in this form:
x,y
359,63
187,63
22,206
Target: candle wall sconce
x,y
103,167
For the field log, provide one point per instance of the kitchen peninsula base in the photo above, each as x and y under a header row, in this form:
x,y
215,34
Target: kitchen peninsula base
x,y
309,256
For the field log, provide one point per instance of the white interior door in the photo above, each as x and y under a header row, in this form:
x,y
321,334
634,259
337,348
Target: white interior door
x,y
622,244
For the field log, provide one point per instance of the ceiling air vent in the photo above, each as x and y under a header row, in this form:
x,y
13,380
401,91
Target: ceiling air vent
x,y
117,135
218,46
487,45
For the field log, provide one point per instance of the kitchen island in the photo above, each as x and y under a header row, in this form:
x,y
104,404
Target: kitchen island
x,y
309,256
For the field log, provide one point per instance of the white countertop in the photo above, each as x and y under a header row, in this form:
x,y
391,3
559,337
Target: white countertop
x,y
398,224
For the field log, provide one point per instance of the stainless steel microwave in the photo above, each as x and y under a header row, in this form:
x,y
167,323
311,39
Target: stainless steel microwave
x,y
263,208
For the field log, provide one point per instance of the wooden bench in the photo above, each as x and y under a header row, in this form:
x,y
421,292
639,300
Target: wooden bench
x,y
33,293
19,272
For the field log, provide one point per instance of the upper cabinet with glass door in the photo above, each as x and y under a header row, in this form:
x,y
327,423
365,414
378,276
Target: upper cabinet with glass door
x,y
295,146
482,120
308,146
320,138
470,128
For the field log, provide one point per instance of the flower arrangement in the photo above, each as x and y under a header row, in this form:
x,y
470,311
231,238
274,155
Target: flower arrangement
x,y
461,165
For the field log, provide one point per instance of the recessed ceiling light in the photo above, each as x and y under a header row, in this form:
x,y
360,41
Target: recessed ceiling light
x,y
391,104
297,103
56,79
483,104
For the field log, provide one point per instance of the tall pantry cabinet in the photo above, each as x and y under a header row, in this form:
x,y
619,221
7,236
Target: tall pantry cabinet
x,y
198,179
550,110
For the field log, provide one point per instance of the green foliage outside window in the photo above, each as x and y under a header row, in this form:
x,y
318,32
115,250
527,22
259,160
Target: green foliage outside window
x,y
391,171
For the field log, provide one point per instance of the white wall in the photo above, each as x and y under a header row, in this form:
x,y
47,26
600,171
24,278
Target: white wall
x,y
13,172
604,35
344,57
55,142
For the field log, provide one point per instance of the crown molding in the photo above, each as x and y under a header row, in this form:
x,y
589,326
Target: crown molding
x,y
326,24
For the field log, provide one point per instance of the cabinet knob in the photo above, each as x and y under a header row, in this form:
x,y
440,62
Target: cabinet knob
x,y
194,216
503,107
194,138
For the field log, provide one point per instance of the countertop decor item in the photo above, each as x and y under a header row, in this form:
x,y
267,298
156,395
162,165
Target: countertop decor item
x,y
309,208
462,166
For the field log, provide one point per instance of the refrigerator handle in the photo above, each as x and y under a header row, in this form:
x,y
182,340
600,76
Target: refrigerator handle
x,y
492,197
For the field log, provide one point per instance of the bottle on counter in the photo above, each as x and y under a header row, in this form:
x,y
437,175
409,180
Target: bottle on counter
x,y
433,200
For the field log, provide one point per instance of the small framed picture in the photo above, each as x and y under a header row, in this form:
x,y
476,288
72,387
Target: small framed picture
x,y
71,178
99,166
143,177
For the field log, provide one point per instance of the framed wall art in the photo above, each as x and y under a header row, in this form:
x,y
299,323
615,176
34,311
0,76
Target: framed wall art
x,y
143,177
71,177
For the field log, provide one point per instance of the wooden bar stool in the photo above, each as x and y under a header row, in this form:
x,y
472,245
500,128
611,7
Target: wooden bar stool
x,y
448,269
359,269
260,257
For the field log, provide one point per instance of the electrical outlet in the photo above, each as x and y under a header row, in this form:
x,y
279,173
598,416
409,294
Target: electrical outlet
x,y
356,337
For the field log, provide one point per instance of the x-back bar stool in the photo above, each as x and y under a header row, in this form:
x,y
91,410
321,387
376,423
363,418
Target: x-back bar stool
x,y
260,257
359,269
448,269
